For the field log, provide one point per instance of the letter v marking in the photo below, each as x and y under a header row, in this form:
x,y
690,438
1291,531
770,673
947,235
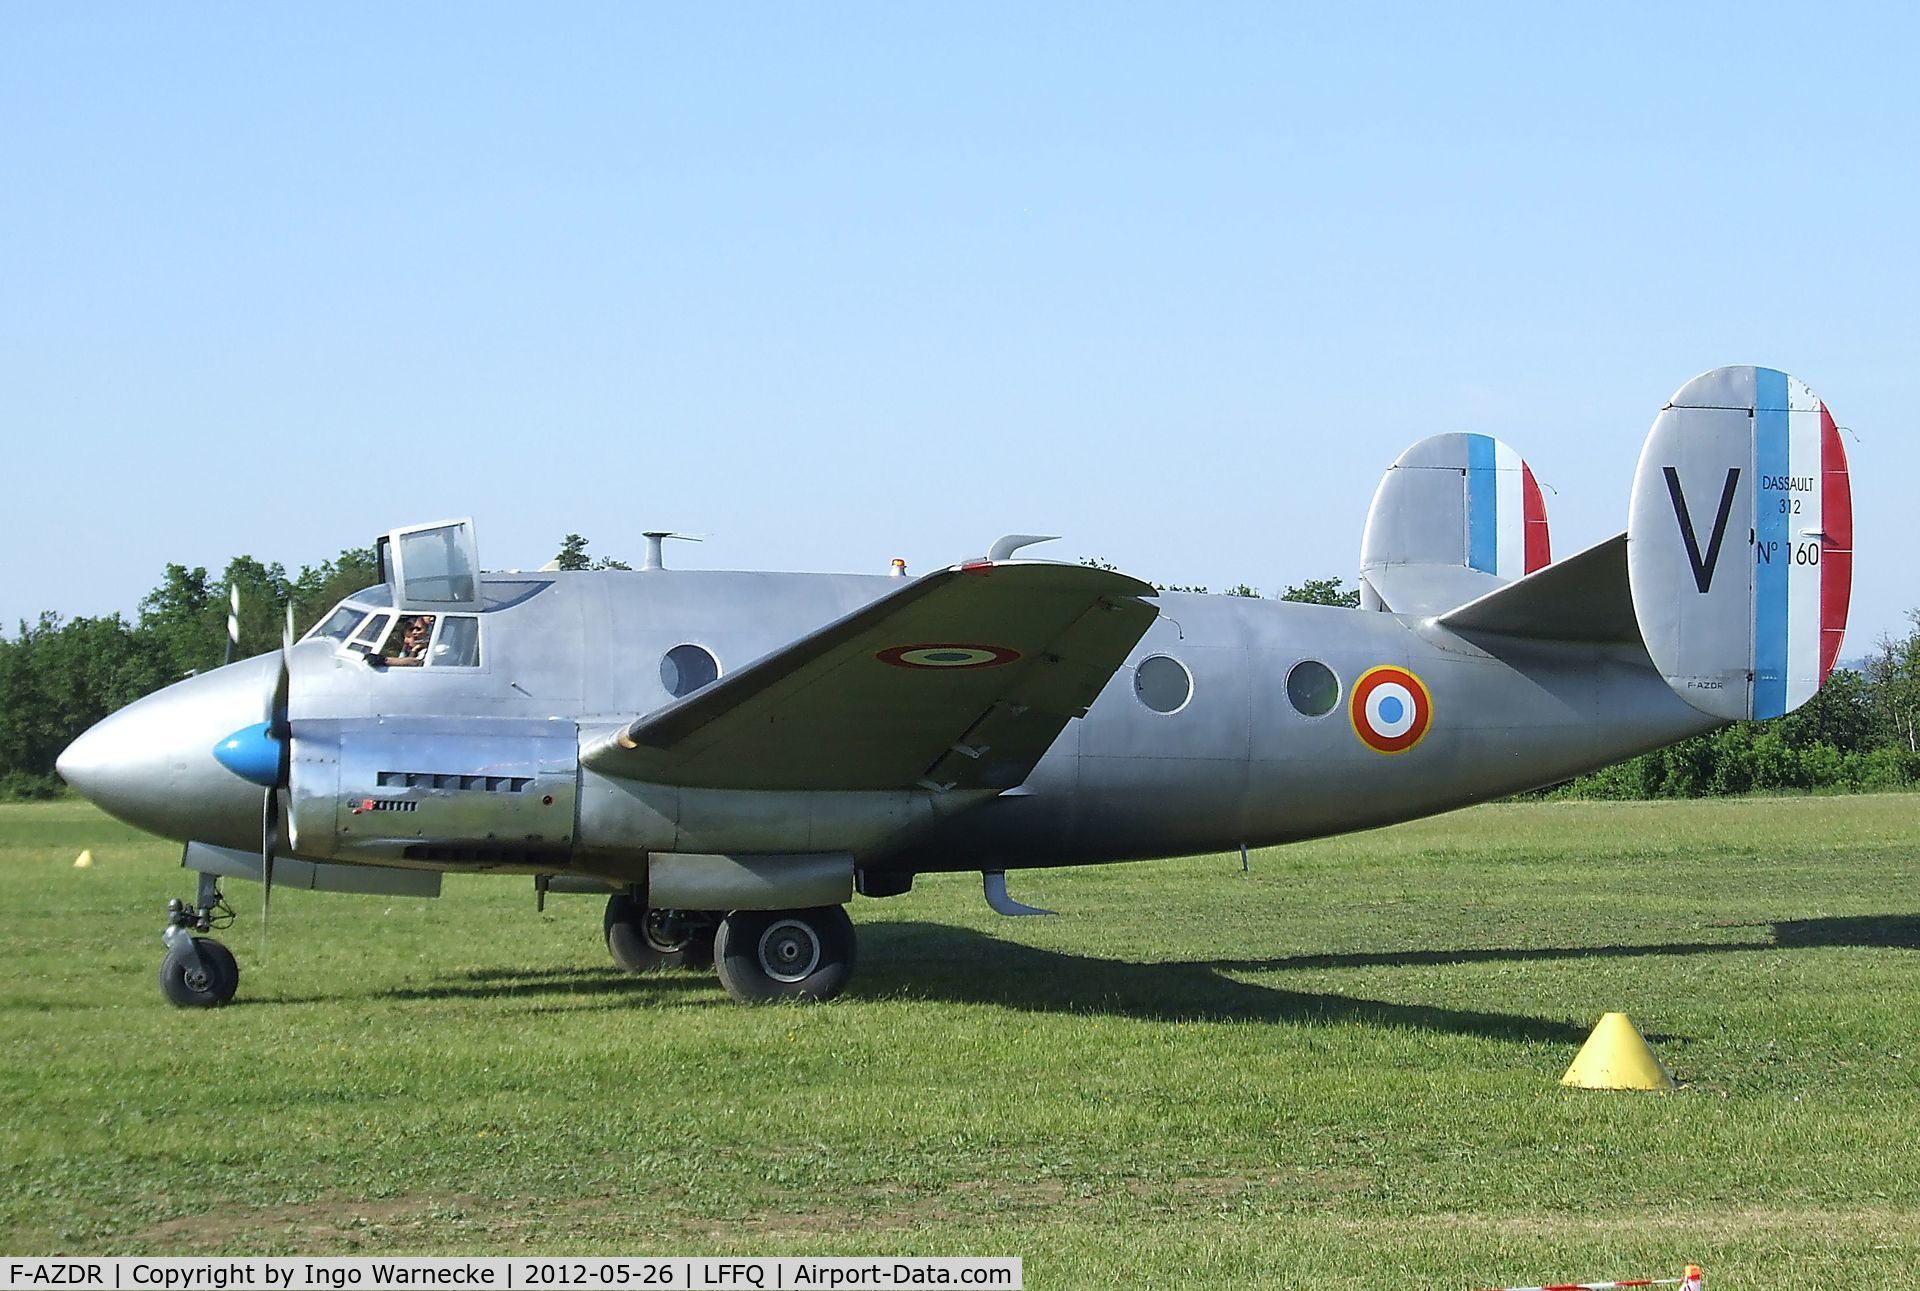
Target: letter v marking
x,y
1702,569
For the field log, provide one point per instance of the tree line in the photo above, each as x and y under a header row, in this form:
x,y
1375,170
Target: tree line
x,y
1857,733
59,675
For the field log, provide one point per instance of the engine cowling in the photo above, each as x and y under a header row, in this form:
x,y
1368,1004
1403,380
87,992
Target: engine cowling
x,y
485,793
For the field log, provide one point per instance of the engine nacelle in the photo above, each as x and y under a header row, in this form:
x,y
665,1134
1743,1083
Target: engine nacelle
x,y
485,793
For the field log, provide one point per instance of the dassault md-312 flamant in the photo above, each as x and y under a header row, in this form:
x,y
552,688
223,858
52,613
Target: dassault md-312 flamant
x,y
731,756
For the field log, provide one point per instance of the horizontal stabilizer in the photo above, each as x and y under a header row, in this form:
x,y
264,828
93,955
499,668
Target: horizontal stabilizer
x,y
1582,598
960,679
1427,590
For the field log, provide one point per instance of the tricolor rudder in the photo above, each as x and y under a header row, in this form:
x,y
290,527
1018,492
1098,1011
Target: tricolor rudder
x,y
1749,458
1506,516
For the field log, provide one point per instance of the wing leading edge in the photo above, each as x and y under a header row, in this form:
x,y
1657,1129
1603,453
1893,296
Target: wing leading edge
x,y
960,679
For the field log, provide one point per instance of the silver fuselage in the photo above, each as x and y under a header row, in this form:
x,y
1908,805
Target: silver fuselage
x,y
567,658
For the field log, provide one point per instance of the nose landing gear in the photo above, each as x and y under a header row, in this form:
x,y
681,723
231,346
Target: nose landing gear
x,y
198,972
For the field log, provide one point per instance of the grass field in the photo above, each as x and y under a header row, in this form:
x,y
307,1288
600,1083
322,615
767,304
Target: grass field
x,y
1339,1069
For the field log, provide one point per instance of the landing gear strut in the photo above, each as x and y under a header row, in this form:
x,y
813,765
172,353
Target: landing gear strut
x,y
642,939
198,972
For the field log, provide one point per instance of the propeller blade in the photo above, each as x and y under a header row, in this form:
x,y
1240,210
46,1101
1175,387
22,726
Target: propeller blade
x,y
233,621
277,703
269,845
270,814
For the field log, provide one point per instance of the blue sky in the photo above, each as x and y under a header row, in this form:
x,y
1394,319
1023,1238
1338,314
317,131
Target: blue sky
x,y
832,284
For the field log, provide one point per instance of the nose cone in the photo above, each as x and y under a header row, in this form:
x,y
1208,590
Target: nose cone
x,y
152,763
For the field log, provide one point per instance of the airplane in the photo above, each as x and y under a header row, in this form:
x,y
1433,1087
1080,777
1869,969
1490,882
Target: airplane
x,y
730,757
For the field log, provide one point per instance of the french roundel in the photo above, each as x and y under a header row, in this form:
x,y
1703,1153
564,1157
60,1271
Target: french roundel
x,y
1391,709
948,655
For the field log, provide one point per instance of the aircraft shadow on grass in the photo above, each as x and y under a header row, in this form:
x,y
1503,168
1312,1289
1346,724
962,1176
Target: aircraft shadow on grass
x,y
924,961
1885,931
490,983
938,962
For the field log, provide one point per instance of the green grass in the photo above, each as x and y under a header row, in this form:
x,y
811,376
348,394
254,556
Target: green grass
x,y
1340,1069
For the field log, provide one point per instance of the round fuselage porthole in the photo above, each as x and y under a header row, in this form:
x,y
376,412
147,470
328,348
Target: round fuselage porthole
x,y
686,668
1163,683
1312,688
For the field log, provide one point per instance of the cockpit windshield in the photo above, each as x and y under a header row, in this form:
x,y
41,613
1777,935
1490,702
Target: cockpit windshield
x,y
351,613
339,625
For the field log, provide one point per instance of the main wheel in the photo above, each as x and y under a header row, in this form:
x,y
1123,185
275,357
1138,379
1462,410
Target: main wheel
x,y
785,954
642,940
205,985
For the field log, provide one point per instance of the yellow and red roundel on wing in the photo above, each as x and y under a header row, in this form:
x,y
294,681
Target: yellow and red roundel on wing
x,y
1391,709
946,655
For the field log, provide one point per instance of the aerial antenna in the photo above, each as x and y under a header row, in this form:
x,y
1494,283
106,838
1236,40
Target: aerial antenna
x,y
1004,548
655,539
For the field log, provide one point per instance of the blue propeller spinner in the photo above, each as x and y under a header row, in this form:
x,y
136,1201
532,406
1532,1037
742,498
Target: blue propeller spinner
x,y
252,753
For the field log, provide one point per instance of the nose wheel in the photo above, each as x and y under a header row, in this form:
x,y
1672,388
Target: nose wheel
x,y
198,972
202,975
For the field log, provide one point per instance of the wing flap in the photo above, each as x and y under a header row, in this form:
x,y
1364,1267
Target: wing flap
x,y
960,679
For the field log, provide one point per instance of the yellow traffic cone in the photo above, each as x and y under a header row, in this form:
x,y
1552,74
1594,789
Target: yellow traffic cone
x,y
1615,1056
84,861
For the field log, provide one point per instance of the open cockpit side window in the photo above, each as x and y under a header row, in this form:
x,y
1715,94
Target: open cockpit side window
x,y
407,647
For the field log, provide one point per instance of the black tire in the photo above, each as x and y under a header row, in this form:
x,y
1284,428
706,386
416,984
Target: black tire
x,y
770,955
229,967
208,985
643,940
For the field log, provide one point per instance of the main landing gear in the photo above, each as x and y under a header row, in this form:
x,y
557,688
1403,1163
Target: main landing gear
x,y
761,955
198,972
642,940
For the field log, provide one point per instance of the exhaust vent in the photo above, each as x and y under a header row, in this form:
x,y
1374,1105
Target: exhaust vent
x,y
469,783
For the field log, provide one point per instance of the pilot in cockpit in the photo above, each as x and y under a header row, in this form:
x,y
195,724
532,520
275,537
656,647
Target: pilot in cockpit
x,y
411,651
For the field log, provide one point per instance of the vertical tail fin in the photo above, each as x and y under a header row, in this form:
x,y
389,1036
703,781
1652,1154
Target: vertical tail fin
x,y
1740,543
1455,517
